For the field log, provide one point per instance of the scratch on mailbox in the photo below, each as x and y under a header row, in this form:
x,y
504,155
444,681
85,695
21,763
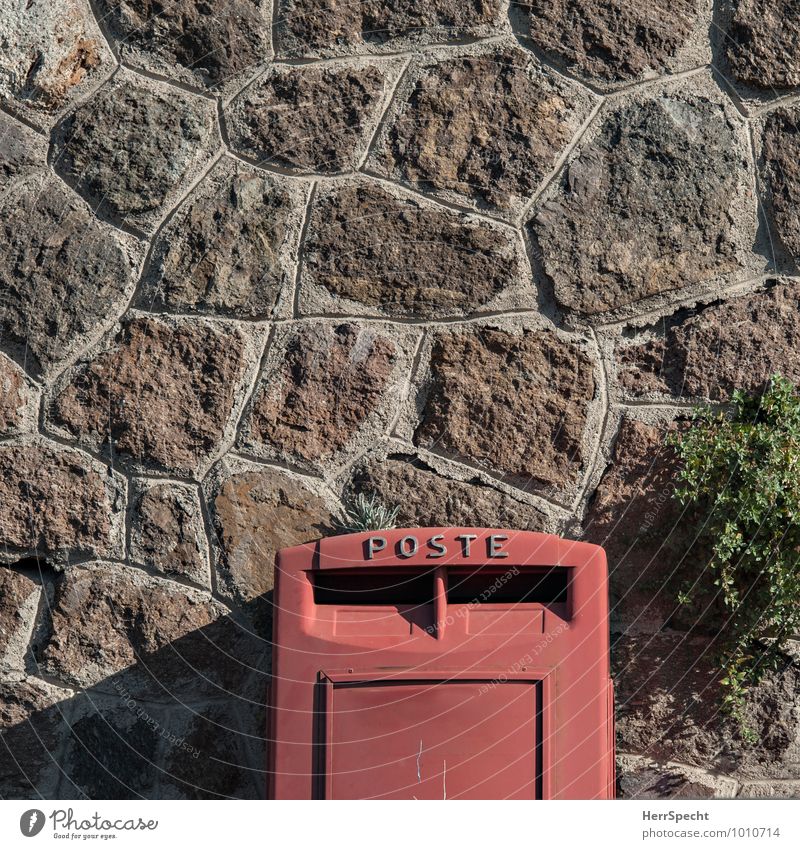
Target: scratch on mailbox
x,y
444,781
419,776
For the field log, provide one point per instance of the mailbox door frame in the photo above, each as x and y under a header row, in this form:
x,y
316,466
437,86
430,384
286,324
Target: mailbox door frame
x,y
544,677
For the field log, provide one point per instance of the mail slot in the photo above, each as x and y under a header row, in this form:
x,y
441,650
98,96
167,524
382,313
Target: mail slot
x,y
441,663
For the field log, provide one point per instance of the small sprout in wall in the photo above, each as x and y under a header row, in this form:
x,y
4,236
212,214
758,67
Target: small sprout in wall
x,y
366,513
740,477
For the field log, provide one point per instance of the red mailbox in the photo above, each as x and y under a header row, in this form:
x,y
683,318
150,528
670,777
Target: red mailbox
x,y
441,663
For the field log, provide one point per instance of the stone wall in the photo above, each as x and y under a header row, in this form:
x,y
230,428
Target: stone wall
x,y
476,258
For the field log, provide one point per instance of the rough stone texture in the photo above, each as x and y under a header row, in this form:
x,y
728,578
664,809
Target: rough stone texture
x,y
22,151
668,709
780,149
31,729
513,402
20,597
131,148
230,249
325,383
713,351
256,512
482,128
168,533
106,618
427,499
632,514
207,44
770,790
309,118
161,394
651,204
643,778
14,395
50,53
56,502
402,256
614,41
62,273
328,27
761,44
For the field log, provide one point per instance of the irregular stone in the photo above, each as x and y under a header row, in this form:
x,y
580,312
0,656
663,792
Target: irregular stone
x,y
404,256
32,728
327,28
658,200
615,41
780,172
161,394
14,395
513,402
207,44
131,148
56,502
761,44
231,247
255,513
168,533
50,52
324,384
485,126
668,701
19,599
309,118
644,778
633,514
214,757
106,618
62,273
22,152
427,499
711,351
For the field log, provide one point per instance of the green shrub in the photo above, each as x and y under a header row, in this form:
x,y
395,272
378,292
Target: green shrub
x,y
366,513
740,474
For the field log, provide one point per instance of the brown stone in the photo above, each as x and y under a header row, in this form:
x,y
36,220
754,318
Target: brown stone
x,y
331,380
205,43
62,273
56,502
19,596
761,44
130,149
325,27
13,396
51,51
514,403
614,41
650,204
404,256
488,128
161,394
229,249
256,513
32,729
712,351
168,533
106,618
427,499
780,171
308,118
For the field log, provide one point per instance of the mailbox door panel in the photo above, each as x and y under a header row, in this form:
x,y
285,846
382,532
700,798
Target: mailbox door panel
x,y
454,739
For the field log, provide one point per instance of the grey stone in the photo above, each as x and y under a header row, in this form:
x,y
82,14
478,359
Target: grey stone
x,y
22,151
62,273
230,249
131,148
